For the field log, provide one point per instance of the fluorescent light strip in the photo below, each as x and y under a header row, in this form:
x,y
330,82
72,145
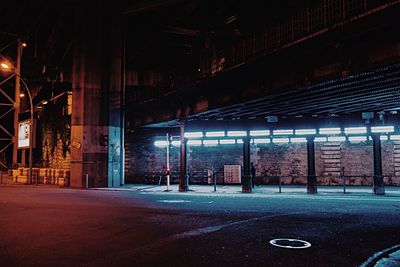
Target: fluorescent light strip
x,y
194,142
260,133
210,142
161,143
355,130
382,129
262,140
227,141
280,140
215,134
239,141
336,139
282,132
237,133
298,140
320,139
357,138
305,131
395,137
384,137
193,135
330,131
176,143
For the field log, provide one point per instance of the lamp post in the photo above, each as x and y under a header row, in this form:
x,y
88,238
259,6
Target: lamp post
x,y
6,67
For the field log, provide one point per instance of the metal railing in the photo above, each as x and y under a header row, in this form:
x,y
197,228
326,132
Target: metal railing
x,y
307,23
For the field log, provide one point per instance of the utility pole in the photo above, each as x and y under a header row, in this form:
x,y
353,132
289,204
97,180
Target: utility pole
x,y
17,101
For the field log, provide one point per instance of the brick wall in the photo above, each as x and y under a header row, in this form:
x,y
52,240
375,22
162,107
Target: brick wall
x,y
145,162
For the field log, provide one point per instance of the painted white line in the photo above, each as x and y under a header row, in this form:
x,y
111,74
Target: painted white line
x,y
174,201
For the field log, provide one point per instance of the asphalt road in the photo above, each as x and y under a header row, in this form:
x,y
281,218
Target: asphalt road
x,y
65,227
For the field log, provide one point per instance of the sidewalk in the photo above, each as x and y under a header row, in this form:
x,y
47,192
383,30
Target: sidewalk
x,y
265,190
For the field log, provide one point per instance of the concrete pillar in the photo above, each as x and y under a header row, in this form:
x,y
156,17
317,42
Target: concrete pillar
x,y
183,173
379,188
311,177
97,87
246,179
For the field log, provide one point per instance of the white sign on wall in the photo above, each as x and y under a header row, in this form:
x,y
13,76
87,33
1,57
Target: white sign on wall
x,y
232,174
24,128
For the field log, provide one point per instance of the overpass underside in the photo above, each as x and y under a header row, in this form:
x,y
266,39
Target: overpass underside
x,y
341,78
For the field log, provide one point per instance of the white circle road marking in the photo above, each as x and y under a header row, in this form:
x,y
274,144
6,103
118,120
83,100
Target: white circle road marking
x,y
275,242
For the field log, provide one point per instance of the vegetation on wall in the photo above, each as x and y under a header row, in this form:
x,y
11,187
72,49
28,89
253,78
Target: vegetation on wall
x,y
55,135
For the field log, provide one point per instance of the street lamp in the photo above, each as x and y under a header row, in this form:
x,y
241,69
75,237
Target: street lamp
x,y
6,67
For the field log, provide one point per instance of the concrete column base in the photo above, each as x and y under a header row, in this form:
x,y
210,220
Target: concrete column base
x,y
311,184
379,188
185,186
246,184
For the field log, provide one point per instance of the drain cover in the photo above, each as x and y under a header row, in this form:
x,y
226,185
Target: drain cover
x,y
290,243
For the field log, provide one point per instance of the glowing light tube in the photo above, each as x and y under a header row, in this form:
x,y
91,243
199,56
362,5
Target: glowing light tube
x,y
215,134
260,133
330,131
193,135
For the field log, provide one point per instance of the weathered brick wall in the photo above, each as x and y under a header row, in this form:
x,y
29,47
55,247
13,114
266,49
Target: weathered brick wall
x,y
145,162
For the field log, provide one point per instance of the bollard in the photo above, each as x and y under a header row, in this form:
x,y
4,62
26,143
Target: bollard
x,y
87,181
215,182
280,185
344,185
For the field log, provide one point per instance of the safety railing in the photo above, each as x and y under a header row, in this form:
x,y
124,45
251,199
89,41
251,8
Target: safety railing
x,y
307,23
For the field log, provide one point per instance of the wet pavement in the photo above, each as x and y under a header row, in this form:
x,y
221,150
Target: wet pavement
x,y
141,225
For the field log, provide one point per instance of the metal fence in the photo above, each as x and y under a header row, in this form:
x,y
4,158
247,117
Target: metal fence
x,y
307,23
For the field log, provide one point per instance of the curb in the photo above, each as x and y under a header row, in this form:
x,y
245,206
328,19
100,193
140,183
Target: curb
x,y
374,259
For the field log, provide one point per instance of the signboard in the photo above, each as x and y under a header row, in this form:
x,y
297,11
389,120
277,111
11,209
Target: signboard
x,y
24,128
232,174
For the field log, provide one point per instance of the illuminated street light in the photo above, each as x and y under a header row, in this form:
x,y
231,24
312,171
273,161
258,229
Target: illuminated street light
x,y
6,67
